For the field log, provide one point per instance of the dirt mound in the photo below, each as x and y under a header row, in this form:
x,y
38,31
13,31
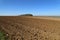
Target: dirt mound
x,y
25,28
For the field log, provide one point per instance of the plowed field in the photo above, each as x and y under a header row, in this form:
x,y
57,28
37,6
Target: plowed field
x,y
30,28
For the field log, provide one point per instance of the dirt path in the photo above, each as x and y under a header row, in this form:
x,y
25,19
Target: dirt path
x,y
30,28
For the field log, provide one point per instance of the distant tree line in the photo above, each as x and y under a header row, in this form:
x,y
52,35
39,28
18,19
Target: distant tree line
x,y
26,15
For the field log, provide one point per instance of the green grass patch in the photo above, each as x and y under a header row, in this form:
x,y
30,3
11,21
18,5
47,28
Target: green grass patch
x,y
2,36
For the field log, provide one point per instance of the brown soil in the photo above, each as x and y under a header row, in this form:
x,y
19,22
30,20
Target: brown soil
x,y
30,28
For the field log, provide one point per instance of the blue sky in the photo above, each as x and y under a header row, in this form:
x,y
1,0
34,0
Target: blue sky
x,y
35,7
